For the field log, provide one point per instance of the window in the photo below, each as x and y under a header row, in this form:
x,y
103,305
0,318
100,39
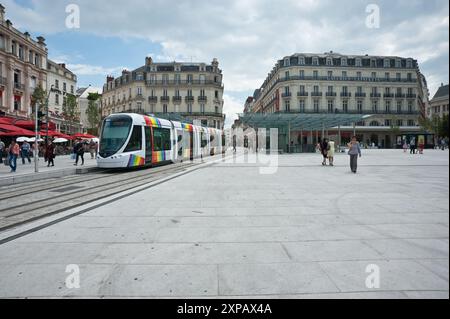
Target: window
x,y
399,123
330,74
287,106
358,62
57,99
374,123
139,90
329,61
135,143
302,106
410,106
139,106
287,62
56,84
161,139
398,63
316,106
409,76
64,87
387,123
165,108
359,89
345,106
399,106
189,108
388,106
202,79
409,65
165,79
315,74
139,77
71,89
330,106
177,79
302,74
344,61
202,108
216,94
344,74
387,63
374,75
316,89
190,78
398,76
315,61
359,106
286,75
411,123
374,106
359,75
302,89
387,76
301,61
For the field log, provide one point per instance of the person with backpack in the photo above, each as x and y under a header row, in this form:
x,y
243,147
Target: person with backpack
x,y
354,152
79,152
25,150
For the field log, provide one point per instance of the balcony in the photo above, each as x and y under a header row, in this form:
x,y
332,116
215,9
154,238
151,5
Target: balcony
x,y
152,99
316,94
18,86
202,99
286,95
176,99
400,96
331,94
302,94
375,95
411,96
165,99
189,99
360,94
388,95
346,94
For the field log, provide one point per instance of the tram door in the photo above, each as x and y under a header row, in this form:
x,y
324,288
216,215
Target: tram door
x,y
148,145
191,146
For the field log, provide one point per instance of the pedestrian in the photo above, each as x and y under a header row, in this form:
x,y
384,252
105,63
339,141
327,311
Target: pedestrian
x,y
25,151
13,153
421,145
443,144
79,152
50,153
2,149
405,146
234,143
412,146
323,146
92,148
354,152
330,152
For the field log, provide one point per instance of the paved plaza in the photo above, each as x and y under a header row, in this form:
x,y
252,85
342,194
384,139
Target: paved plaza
x,y
227,230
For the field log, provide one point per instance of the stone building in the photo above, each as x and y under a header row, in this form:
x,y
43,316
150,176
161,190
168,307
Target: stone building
x,y
176,90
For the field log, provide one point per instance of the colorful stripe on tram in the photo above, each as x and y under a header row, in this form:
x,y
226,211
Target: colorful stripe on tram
x,y
136,161
188,127
151,121
158,157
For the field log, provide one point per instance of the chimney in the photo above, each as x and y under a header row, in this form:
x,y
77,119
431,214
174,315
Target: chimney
x,y
109,78
63,65
41,41
2,13
148,60
9,23
27,35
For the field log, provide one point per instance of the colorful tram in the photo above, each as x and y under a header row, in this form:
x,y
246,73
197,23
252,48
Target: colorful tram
x,y
134,140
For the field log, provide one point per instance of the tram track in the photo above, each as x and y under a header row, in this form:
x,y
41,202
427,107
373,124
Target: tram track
x,y
20,214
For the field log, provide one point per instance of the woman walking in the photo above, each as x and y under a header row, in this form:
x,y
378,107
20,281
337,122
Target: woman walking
x,y
354,152
50,153
330,152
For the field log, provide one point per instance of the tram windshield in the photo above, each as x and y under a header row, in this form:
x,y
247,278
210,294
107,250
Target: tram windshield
x,y
115,133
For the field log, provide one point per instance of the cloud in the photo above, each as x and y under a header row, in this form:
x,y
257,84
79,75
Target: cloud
x,y
248,37
232,107
86,69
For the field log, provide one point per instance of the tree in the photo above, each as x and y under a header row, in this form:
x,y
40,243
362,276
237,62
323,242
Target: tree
x,y
70,109
93,112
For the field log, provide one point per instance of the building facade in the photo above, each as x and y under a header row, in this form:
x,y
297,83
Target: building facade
x,y
390,89
61,83
439,104
83,103
23,63
181,91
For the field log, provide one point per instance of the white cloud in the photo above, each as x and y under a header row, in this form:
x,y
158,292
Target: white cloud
x,y
86,69
232,107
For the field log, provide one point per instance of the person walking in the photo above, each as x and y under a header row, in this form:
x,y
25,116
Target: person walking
x,y
25,150
13,153
412,146
354,152
92,148
2,149
50,153
405,146
330,152
323,146
79,152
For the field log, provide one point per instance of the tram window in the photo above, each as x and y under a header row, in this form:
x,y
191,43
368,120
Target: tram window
x,y
204,140
135,143
161,140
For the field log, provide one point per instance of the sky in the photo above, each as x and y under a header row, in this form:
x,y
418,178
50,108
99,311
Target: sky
x,y
246,36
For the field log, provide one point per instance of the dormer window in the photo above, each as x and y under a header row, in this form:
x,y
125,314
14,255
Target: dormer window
x,y
358,62
329,61
301,60
344,61
287,62
409,63
398,63
373,63
387,63
315,61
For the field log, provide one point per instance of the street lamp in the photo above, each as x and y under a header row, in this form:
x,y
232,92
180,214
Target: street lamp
x,y
46,111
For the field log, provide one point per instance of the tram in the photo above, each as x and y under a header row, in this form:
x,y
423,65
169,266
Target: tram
x,y
133,140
